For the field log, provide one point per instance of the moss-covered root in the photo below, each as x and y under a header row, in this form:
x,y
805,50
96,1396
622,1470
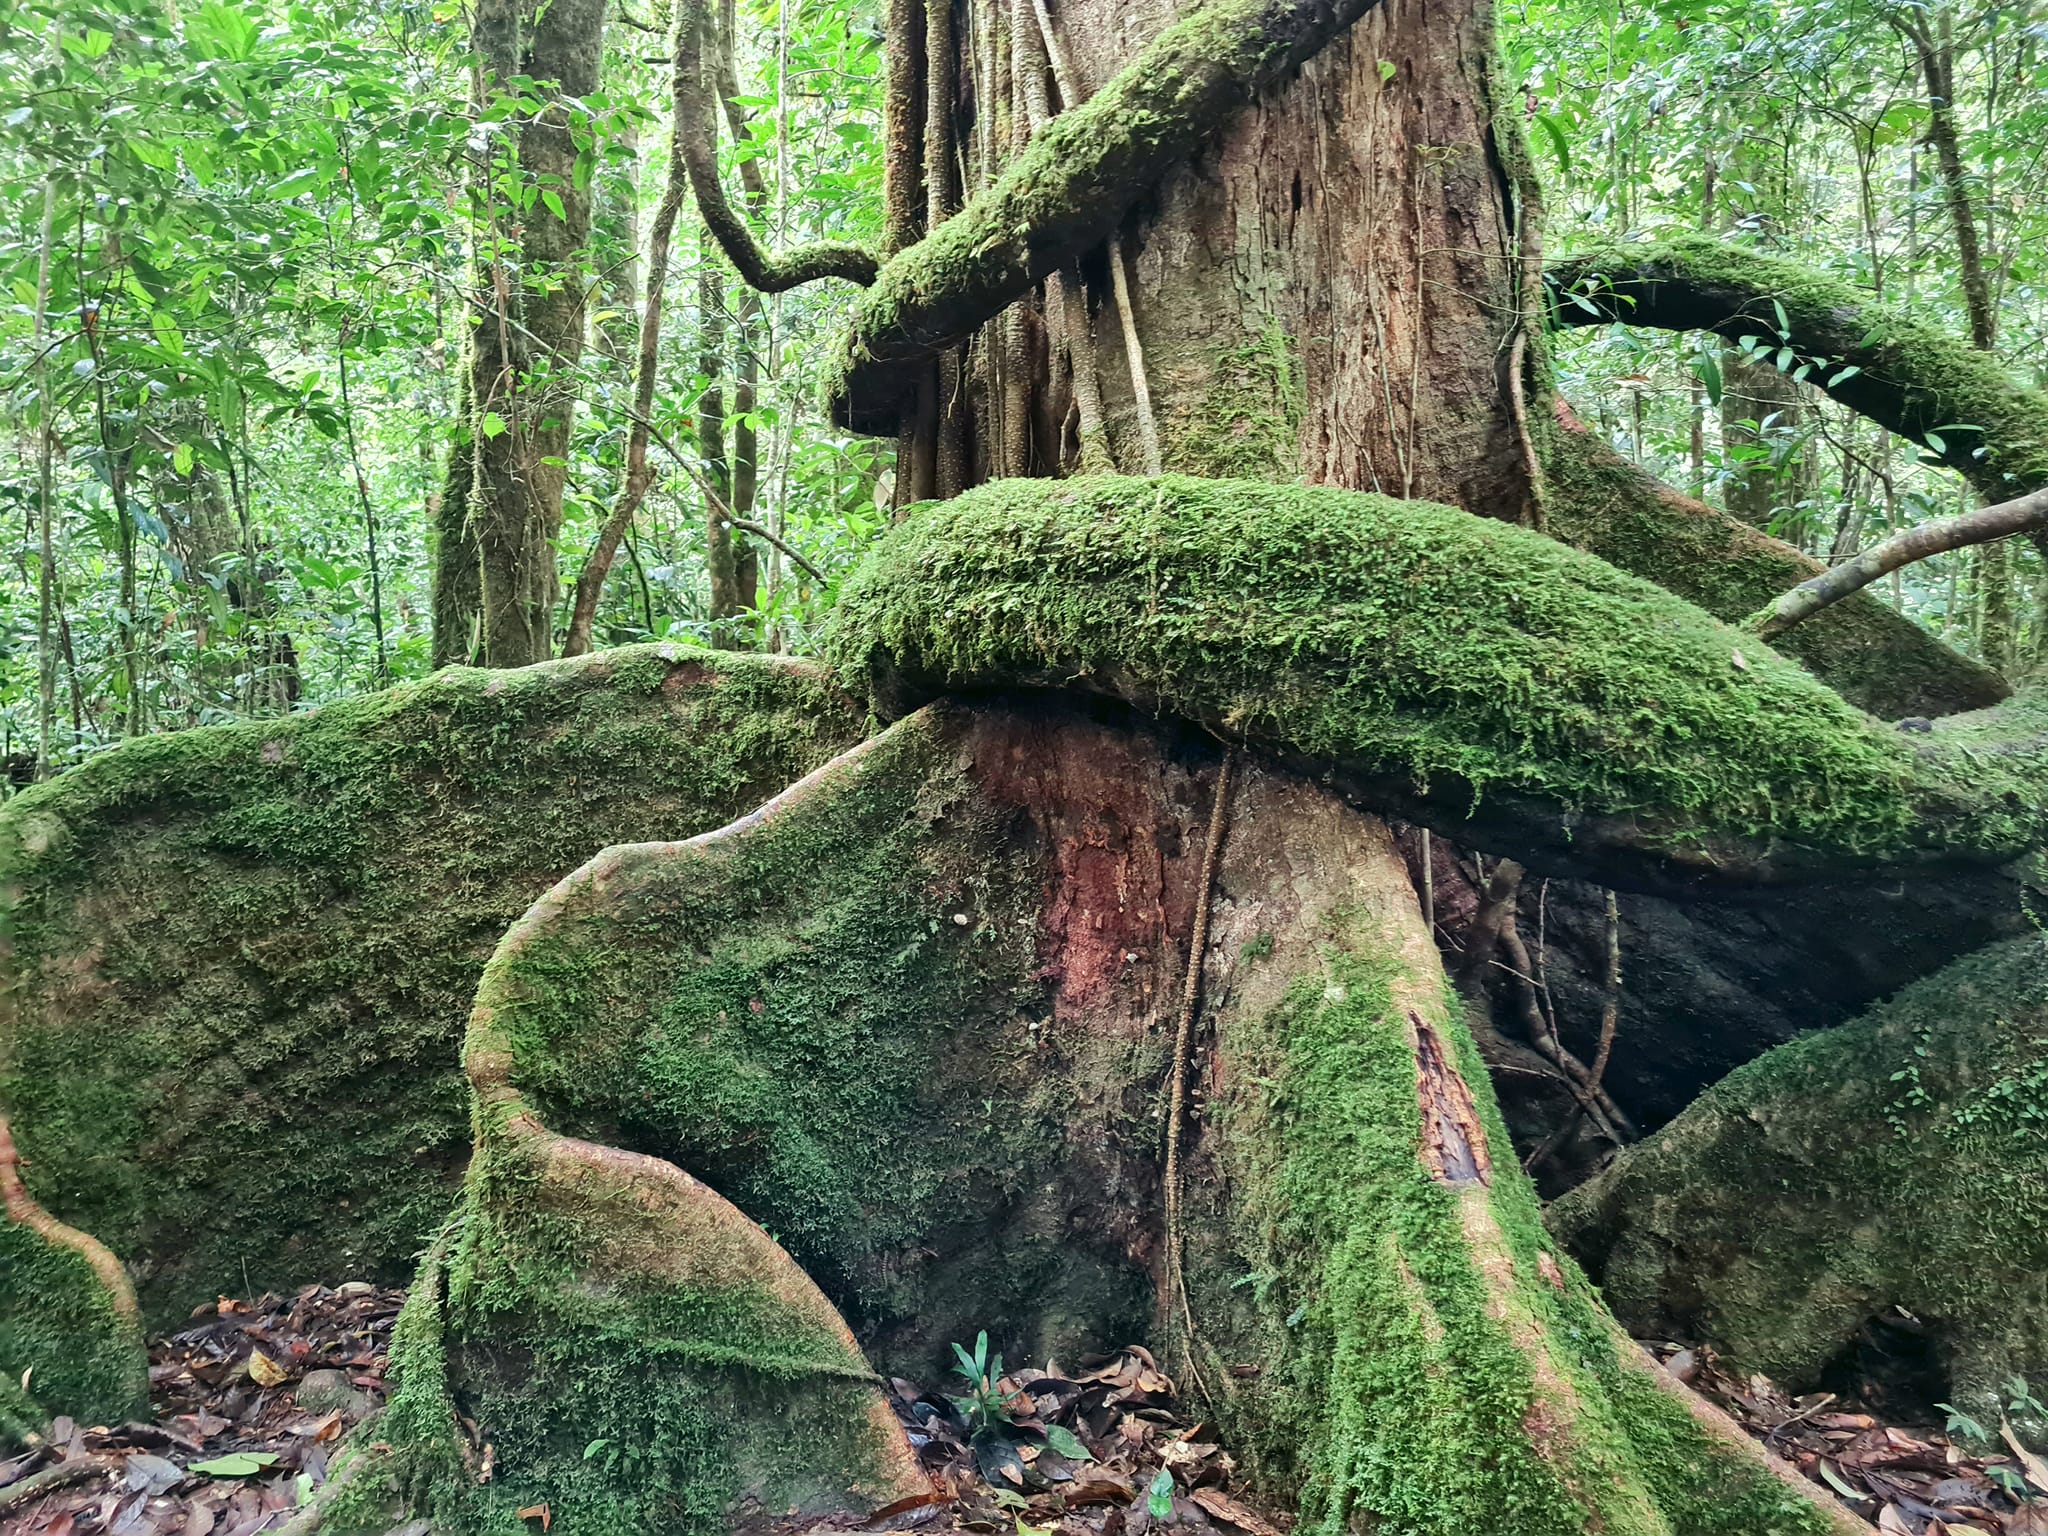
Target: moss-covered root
x,y
1453,670
910,1012
1424,1361
238,959
1934,389
1865,650
640,1356
70,1332
1898,1161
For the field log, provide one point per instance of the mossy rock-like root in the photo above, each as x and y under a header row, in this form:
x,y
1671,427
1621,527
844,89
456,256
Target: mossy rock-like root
x,y
915,1017
239,958
1899,1161
70,1331
1863,648
1456,671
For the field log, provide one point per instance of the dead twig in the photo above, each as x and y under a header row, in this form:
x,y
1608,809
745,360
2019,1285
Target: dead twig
x,y
63,1475
1183,1036
1610,1018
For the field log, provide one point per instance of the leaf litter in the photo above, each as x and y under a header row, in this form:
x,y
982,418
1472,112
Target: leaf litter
x,y
250,1401
1106,1450
1906,1481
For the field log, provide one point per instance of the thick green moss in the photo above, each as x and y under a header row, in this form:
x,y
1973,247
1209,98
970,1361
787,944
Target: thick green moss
x,y
796,1016
632,1406
1246,424
1453,668
1426,1363
66,1346
1912,377
240,957
1900,1160
857,1013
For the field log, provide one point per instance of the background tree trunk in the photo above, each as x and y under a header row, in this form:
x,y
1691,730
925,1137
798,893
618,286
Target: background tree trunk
x,y
495,558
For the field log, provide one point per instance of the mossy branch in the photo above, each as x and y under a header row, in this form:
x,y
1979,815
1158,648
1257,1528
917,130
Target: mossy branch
x,y
697,143
1447,669
1069,190
1959,404
2023,514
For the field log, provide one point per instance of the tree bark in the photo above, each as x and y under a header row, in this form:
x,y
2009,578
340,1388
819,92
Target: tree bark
x,y
1934,42
495,559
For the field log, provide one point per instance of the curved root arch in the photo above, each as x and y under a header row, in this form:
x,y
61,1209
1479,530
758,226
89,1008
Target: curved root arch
x,y
1960,405
1455,671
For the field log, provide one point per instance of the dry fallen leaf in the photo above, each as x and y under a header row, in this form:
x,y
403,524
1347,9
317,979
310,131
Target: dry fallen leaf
x,y
1222,1506
266,1372
2036,1468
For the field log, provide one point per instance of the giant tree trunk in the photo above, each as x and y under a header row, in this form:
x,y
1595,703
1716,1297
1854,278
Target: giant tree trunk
x,y
495,578
918,1016
1331,290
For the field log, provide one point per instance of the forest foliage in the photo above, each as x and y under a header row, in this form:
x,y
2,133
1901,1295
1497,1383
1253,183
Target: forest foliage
x,y
239,235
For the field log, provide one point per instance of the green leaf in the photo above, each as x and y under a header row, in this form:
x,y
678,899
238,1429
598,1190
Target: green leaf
x,y
1066,1443
1849,372
554,202
493,424
1560,145
181,458
236,1464
1159,1502
1784,325
1388,69
1708,368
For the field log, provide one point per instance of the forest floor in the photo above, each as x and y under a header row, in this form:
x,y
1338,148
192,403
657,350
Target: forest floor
x,y
251,1400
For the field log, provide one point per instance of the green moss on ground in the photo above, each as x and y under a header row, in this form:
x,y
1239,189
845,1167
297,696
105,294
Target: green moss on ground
x,y
241,957
1901,1160
1451,667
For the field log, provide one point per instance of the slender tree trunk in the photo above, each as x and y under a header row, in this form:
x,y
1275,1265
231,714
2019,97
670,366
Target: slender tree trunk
x,y
1933,39
719,557
615,240
496,580
1758,393
46,544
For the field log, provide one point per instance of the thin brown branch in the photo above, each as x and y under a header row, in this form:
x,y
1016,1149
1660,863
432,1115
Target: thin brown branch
x,y
1183,1038
761,531
2023,514
1610,1019
590,582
